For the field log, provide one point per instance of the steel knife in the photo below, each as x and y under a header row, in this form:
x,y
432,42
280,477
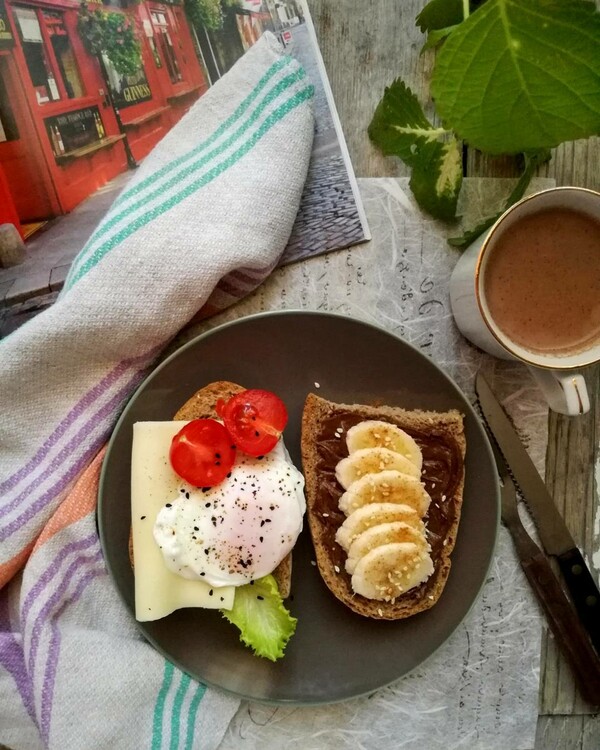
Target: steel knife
x,y
553,532
561,615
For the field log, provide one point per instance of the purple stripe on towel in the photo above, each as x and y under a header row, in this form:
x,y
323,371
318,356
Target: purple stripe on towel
x,y
90,397
12,659
53,654
56,489
53,569
108,410
36,631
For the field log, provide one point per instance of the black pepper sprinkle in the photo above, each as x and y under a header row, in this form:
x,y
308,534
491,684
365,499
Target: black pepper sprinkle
x,y
222,599
205,489
168,505
260,538
207,505
196,528
206,552
229,475
211,592
142,518
260,458
202,574
232,447
257,433
260,597
252,583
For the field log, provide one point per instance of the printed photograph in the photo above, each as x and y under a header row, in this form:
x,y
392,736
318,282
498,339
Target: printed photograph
x,y
88,89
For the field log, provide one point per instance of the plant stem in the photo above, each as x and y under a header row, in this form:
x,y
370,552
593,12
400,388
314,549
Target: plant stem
x,y
466,9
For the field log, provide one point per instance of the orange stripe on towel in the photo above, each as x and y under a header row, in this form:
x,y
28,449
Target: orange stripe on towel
x,y
12,566
80,501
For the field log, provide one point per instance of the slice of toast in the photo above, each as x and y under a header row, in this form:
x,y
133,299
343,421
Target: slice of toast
x,y
442,441
202,405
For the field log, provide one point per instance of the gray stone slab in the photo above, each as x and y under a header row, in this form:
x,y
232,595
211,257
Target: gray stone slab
x,y
4,289
57,277
30,285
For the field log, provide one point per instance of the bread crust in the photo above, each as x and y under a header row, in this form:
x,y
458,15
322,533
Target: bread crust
x,y
202,405
447,426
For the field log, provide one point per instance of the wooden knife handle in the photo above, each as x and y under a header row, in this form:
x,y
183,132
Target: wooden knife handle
x,y
563,619
583,591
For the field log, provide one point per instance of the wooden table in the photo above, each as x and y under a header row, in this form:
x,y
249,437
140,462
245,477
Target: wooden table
x,y
365,45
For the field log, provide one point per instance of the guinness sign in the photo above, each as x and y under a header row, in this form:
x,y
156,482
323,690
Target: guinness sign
x,y
130,90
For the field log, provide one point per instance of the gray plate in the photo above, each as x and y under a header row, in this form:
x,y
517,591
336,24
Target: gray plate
x,y
334,654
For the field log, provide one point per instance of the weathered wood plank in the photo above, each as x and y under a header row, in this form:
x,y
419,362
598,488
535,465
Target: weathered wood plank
x,y
366,44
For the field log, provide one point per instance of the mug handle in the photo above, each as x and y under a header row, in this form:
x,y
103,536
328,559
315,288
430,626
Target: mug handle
x,y
566,393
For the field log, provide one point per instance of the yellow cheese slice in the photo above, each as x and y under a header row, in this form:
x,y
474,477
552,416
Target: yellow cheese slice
x,y
159,591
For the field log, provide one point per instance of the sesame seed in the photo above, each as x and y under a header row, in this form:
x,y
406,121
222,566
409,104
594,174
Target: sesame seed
x,y
336,568
312,562
317,385
325,515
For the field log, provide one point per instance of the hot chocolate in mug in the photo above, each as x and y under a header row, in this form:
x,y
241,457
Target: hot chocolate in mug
x,y
530,290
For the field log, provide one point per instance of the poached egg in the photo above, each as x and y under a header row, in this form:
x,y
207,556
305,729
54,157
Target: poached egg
x,y
239,530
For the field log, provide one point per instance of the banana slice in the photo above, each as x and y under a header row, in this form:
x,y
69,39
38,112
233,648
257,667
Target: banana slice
x,y
375,434
373,514
371,461
385,487
391,570
385,533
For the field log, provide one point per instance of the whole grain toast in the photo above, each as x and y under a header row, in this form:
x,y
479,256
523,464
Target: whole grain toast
x,y
440,436
202,405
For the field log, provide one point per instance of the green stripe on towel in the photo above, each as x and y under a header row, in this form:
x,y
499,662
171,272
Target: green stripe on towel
x,y
159,707
284,84
191,722
176,715
144,219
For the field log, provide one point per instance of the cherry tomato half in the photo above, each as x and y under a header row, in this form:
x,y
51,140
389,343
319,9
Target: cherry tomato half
x,y
255,420
202,452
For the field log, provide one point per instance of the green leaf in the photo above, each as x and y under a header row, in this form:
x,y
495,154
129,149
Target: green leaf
x,y
437,36
437,178
265,624
438,14
399,126
532,162
520,75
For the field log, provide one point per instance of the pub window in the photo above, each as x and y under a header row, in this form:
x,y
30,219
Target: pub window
x,y
48,54
63,52
8,126
165,43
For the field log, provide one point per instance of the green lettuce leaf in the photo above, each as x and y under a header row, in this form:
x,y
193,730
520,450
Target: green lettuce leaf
x,y
265,624
521,75
400,128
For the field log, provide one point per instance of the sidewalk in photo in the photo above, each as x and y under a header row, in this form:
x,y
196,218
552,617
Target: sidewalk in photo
x,y
49,253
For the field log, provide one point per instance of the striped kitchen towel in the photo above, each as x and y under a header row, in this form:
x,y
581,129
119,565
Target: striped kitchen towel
x,y
203,222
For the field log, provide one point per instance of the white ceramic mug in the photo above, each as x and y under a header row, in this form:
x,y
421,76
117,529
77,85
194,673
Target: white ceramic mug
x,y
557,376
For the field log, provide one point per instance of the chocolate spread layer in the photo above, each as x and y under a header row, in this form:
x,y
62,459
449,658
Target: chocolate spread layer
x,y
443,468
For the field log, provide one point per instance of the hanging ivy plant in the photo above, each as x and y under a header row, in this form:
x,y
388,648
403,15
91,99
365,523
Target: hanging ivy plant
x,y
112,34
209,13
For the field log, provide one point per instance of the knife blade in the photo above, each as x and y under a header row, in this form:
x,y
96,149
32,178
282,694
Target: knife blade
x,y
560,612
554,534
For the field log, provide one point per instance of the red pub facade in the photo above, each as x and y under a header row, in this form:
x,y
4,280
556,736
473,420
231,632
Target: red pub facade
x,y
68,121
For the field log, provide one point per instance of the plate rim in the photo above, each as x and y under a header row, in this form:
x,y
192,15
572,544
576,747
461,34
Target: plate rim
x,y
193,342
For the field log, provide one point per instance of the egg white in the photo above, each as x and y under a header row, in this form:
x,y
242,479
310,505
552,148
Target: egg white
x,y
241,529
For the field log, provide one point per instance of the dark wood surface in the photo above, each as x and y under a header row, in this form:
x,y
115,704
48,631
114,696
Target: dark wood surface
x,y
365,45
